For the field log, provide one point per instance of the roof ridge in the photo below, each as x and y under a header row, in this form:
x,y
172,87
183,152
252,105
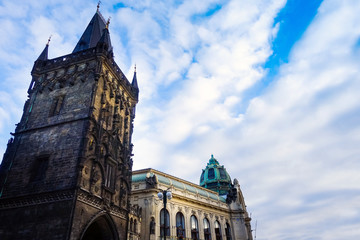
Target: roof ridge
x,y
101,16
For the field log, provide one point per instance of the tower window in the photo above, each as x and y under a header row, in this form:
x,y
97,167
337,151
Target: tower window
x,y
222,173
110,176
211,173
39,169
56,105
135,226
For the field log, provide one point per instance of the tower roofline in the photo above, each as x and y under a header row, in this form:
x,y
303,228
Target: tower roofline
x,y
92,33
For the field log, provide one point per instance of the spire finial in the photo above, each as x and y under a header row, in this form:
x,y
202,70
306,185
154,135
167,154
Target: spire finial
x,y
48,42
134,81
107,23
98,5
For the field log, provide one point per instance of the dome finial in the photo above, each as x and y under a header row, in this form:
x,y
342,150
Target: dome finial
x,y
98,5
213,161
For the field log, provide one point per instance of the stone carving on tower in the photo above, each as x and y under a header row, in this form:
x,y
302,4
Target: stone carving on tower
x,y
66,173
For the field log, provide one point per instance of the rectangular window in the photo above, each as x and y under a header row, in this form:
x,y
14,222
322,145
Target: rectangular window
x,y
110,176
56,105
39,169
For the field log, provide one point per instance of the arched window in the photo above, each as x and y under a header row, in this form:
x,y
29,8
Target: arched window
x,y
180,225
162,225
228,231
135,226
211,173
152,226
217,230
222,173
194,228
207,231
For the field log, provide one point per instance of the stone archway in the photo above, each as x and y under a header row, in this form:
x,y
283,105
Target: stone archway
x,y
100,229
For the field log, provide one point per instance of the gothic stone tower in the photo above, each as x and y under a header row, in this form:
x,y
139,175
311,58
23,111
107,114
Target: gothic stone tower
x,y
66,174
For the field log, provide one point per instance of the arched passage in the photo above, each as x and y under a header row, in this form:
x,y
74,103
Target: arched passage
x,y
100,229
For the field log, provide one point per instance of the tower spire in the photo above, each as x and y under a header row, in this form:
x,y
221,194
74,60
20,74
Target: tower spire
x,y
44,54
134,81
92,33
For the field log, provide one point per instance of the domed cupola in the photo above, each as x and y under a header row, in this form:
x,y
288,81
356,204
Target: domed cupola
x,y
215,177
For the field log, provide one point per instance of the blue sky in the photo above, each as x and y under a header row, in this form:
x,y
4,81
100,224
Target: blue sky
x,y
269,87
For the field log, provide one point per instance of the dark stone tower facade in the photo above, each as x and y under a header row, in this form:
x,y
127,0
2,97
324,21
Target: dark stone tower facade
x,y
66,173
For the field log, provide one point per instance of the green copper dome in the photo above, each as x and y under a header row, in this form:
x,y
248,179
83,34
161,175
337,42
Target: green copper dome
x,y
215,177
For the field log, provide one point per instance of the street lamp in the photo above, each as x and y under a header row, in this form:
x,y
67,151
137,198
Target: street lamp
x,y
165,195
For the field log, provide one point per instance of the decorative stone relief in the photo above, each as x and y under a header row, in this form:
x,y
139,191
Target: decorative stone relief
x,y
60,73
187,209
96,180
81,67
85,175
71,70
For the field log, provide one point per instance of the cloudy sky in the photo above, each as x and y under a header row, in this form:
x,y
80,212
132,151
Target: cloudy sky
x,y
271,88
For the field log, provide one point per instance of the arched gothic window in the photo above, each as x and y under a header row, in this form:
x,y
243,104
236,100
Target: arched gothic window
x,y
194,228
180,225
228,231
162,225
135,226
217,230
207,231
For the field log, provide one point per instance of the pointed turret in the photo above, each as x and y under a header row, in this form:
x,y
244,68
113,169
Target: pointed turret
x,y
92,34
134,81
104,41
44,54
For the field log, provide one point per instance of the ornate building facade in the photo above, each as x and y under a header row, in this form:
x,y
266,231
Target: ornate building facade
x,y
66,173
193,212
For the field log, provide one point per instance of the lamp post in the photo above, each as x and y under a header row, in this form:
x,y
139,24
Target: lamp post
x,y
165,195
